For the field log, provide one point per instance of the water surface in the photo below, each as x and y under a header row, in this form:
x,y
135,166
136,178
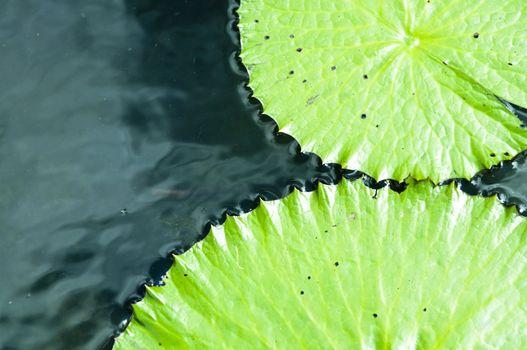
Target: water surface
x,y
124,128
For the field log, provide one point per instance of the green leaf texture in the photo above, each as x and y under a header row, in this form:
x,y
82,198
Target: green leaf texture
x,y
431,268
394,88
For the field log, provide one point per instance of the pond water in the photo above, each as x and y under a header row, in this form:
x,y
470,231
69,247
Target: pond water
x,y
125,127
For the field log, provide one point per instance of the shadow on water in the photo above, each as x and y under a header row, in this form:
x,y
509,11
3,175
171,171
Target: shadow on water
x,y
125,129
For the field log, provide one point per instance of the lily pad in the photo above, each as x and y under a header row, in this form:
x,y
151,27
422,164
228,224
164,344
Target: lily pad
x,y
431,268
392,88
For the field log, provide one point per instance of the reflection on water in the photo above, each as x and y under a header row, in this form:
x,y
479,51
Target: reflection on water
x,y
507,180
124,128
63,149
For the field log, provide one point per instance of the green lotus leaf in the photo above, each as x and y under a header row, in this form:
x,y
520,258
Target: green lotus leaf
x,y
431,268
390,87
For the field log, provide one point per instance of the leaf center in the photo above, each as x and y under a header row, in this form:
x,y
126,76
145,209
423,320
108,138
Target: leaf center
x,y
411,41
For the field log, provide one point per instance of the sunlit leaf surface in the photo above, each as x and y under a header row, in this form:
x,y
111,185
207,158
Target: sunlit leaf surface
x,y
431,268
392,88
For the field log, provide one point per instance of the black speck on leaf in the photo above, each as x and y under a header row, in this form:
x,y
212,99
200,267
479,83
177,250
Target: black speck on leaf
x,y
363,116
304,81
506,154
375,315
376,125
510,64
336,263
308,277
292,36
291,72
256,21
301,292
424,310
493,154
185,275
475,35
267,37
333,67
365,76
299,49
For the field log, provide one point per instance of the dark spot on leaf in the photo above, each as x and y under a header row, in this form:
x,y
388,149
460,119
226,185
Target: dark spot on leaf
x,y
291,72
334,225
299,49
376,125
333,67
336,263
493,154
185,275
301,292
365,76
424,310
475,35
311,100
292,36
510,64
304,81
159,344
308,277
326,231
375,315
445,63
267,37
363,116
256,21
506,154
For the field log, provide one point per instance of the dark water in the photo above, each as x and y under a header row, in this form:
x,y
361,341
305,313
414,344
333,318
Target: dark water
x,y
125,127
